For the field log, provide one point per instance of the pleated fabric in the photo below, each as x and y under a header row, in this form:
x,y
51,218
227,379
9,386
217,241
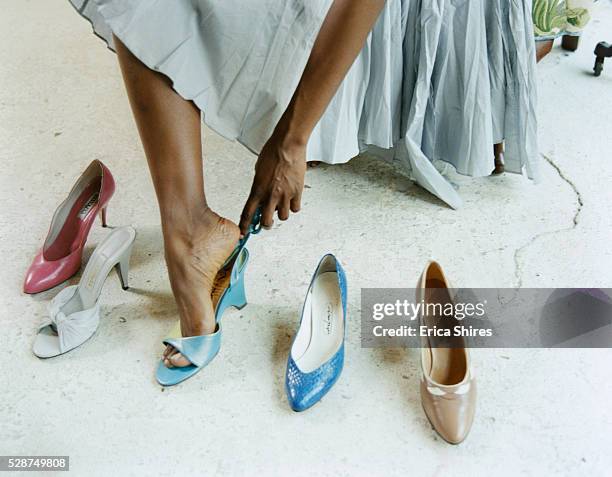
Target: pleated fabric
x,y
437,82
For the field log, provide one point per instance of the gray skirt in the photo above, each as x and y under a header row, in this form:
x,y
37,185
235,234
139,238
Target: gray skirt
x,y
437,82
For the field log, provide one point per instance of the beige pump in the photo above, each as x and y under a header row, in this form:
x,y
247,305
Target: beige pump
x,y
448,388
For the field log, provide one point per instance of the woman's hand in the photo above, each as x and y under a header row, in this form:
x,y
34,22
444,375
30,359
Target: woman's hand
x,y
280,169
278,182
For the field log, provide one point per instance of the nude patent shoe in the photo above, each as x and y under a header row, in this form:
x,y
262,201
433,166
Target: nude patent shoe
x,y
448,387
60,256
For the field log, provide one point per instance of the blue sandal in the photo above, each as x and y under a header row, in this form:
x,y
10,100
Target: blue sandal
x,y
201,350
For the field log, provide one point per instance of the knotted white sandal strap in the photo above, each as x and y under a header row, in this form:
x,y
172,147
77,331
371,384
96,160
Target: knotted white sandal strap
x,y
75,328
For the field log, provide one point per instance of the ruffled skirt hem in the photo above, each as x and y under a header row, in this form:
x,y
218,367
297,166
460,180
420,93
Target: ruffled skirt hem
x,y
434,81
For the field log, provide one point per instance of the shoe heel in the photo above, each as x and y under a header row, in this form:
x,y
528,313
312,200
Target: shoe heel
x,y
103,216
123,267
237,293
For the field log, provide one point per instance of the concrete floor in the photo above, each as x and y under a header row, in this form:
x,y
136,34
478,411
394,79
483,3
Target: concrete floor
x,y
540,412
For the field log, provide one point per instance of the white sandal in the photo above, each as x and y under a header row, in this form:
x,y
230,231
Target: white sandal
x,y
74,313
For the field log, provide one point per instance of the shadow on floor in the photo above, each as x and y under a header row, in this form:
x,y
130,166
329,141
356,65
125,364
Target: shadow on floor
x,y
379,173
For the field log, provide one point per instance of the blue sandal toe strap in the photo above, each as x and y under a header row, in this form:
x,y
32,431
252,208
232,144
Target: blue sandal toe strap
x,y
200,350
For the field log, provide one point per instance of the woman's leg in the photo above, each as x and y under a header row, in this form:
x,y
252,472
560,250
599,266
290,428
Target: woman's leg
x,y
196,240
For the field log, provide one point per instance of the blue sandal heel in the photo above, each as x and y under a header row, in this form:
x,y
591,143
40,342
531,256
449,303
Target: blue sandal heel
x,y
201,350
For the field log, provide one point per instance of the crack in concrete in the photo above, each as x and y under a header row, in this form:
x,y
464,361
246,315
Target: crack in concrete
x,y
518,269
574,188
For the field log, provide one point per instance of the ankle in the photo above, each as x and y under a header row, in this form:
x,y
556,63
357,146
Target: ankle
x,y
186,222
198,235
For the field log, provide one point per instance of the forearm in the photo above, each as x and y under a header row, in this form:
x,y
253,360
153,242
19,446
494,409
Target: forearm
x,y
340,40
280,168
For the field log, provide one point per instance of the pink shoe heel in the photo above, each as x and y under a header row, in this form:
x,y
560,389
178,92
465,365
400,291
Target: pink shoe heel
x,y
103,217
62,251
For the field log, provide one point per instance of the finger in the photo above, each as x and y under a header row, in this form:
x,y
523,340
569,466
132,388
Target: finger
x,y
267,216
283,209
247,213
296,202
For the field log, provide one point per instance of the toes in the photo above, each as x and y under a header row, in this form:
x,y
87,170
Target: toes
x,y
178,360
173,359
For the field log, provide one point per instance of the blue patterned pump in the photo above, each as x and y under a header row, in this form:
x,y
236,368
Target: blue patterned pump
x,y
317,353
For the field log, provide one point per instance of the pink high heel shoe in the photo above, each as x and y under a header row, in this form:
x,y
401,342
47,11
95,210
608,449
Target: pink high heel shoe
x,y
60,257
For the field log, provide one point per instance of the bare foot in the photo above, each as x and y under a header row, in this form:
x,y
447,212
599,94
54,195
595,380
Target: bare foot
x,y
193,261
